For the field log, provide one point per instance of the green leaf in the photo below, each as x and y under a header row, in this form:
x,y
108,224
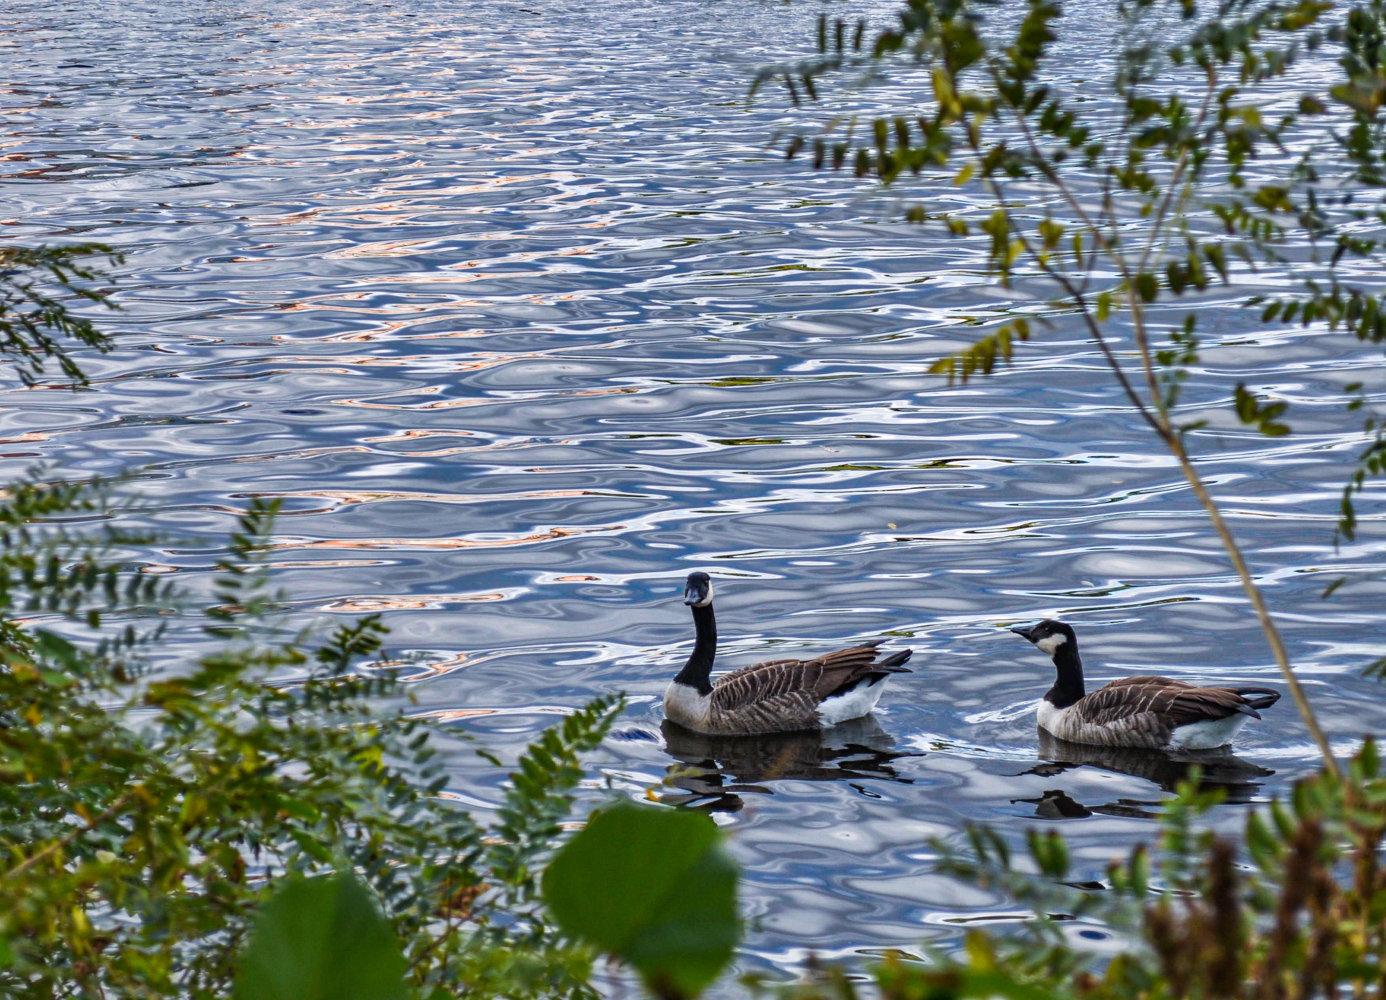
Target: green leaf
x,y
1261,843
541,794
653,887
1147,286
1218,258
1369,757
1139,872
56,648
1246,404
322,939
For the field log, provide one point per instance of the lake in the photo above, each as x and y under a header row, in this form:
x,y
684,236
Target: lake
x,y
513,307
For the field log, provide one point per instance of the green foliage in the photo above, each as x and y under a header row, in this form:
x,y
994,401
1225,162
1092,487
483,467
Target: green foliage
x,y
50,565
1130,194
255,818
1293,912
144,819
652,887
35,288
1190,180
322,939
1252,411
1146,198
983,355
540,796
1371,462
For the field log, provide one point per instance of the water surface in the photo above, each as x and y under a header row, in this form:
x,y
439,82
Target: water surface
x,y
517,314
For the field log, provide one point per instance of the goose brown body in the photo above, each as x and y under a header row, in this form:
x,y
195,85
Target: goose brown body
x,y
1157,713
776,695
783,695
1149,712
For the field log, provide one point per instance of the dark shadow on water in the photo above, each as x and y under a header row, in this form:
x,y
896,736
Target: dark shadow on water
x,y
1240,779
715,771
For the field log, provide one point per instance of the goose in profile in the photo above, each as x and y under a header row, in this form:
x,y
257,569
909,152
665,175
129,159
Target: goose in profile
x,y
778,695
1155,713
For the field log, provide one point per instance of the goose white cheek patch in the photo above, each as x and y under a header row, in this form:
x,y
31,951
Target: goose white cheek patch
x,y
708,599
1051,643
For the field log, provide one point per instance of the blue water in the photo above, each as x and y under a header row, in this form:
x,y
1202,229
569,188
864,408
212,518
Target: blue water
x,y
513,308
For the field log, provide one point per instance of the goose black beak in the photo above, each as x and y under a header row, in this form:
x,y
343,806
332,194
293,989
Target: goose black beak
x,y
694,593
1024,631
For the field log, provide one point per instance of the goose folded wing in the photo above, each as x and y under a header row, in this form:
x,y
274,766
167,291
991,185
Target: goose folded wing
x,y
810,680
843,668
1175,703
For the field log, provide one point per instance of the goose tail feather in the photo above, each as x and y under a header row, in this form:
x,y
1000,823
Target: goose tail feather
x,y
1257,698
892,664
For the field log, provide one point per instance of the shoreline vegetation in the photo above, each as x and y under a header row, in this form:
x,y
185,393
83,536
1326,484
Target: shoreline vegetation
x,y
254,825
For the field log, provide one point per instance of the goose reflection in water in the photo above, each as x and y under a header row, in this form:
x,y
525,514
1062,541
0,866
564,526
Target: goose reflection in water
x,y
1240,779
714,772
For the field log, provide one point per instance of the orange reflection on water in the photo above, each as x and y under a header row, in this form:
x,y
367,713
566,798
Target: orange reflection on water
x,y
383,248
366,605
453,714
323,563
428,671
350,498
416,434
553,534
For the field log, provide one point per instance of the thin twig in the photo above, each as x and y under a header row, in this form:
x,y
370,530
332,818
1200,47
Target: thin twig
x,y
87,827
974,139
1253,593
1162,426
1138,306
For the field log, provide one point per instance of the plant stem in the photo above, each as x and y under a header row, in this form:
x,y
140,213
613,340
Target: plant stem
x,y
1159,419
1253,593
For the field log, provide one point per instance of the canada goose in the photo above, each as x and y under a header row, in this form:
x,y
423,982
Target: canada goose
x,y
778,695
1156,713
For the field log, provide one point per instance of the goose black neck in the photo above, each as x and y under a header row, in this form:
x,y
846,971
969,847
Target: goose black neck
x,y
697,671
1068,687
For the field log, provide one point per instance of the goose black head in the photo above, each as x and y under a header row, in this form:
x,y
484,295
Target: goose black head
x,y
697,592
1049,636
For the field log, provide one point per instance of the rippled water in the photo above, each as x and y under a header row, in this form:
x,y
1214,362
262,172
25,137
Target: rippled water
x,y
513,309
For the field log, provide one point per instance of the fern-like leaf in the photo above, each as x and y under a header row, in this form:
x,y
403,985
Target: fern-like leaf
x,y
540,795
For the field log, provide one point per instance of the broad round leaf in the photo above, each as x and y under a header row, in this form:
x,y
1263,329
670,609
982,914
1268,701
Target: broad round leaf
x,y
686,945
650,886
322,939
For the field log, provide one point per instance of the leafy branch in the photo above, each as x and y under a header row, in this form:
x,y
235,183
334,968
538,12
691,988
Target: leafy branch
x,y
36,285
1151,207
143,822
